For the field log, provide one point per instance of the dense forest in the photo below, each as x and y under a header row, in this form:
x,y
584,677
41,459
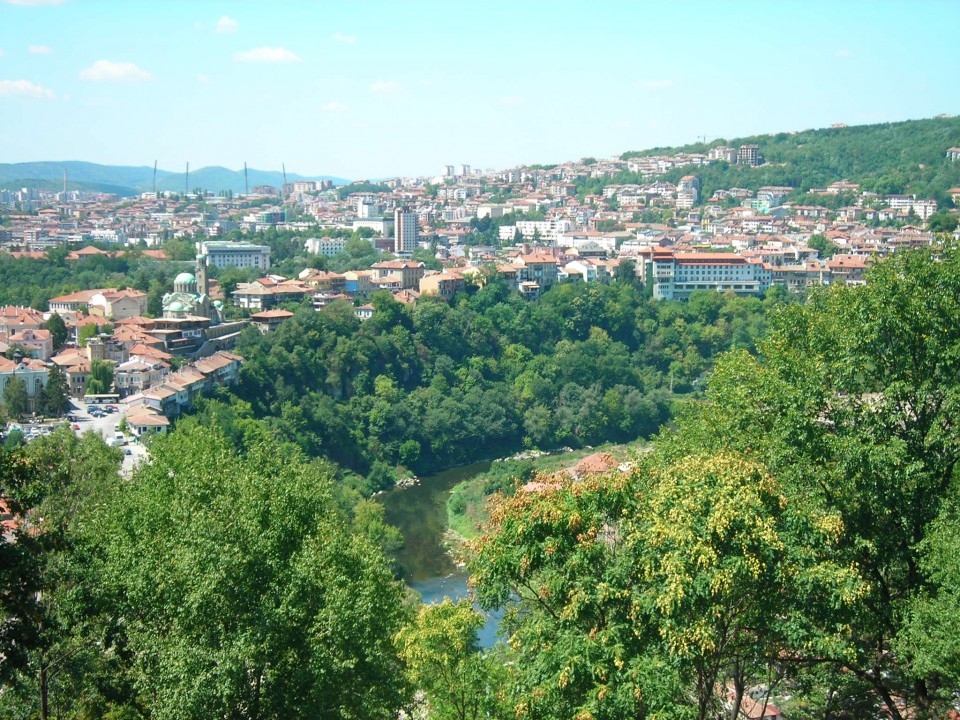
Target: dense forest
x,y
437,385
790,539
890,158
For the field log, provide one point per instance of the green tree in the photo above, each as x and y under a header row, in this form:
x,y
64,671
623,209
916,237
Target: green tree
x,y
851,408
56,393
826,248
58,330
942,222
15,398
87,332
100,381
443,659
241,592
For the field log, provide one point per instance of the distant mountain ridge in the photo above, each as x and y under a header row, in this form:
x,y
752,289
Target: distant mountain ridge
x,y
133,180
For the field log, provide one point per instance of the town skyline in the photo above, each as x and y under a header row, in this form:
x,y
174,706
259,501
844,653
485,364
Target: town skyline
x,y
368,90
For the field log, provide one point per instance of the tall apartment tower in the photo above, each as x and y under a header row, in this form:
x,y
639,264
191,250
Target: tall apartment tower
x,y
465,170
405,229
448,171
748,155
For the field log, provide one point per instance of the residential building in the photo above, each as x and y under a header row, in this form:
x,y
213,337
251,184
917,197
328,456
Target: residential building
x,y
409,272
136,376
538,268
406,229
676,275
358,282
32,372
446,285
269,320
118,304
240,255
38,343
268,292
326,246
749,155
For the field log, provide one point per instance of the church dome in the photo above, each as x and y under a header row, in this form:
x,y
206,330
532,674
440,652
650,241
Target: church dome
x,y
176,306
184,278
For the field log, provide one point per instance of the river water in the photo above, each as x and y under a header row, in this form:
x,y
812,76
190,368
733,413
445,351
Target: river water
x,y
420,513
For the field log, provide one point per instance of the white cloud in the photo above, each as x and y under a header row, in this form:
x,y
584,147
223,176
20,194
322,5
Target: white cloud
x,y
32,3
266,55
40,50
24,88
844,53
345,39
203,79
227,25
105,70
386,87
654,84
512,100
2,53
334,106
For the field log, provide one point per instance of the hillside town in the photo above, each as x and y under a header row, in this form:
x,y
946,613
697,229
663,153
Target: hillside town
x,y
531,226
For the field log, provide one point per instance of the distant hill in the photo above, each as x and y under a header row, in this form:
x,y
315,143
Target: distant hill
x,y
129,180
889,158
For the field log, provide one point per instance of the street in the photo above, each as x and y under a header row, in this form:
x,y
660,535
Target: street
x,y
134,451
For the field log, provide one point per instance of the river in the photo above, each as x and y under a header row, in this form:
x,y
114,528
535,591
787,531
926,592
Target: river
x,y
420,513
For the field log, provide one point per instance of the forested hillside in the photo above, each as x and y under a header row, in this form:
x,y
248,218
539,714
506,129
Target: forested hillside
x,y
438,385
890,158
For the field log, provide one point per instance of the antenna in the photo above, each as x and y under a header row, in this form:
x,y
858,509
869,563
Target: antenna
x,y
246,179
283,189
154,178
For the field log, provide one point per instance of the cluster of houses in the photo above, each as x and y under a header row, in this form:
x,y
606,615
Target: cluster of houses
x,y
548,231
144,375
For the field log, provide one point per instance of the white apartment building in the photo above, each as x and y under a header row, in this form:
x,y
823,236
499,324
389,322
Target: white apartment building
x,y
326,246
239,254
676,275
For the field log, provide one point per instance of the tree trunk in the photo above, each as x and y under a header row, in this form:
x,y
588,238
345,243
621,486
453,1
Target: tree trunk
x,y
44,699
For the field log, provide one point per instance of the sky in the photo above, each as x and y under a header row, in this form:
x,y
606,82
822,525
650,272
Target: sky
x,y
372,89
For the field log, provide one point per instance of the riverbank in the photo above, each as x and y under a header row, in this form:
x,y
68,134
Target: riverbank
x,y
467,504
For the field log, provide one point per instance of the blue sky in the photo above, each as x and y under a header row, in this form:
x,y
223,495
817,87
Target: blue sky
x,y
364,88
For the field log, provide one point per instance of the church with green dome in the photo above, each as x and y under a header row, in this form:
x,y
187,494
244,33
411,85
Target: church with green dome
x,y
190,296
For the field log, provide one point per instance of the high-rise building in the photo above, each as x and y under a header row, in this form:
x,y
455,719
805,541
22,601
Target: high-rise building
x,y
405,228
465,170
448,171
748,155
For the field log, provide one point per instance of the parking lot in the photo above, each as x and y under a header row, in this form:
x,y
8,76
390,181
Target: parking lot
x,y
108,426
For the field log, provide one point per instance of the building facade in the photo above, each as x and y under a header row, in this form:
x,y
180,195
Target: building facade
x,y
406,231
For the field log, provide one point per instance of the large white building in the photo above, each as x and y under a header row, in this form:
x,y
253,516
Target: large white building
x,y
239,254
676,275
406,231
327,246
